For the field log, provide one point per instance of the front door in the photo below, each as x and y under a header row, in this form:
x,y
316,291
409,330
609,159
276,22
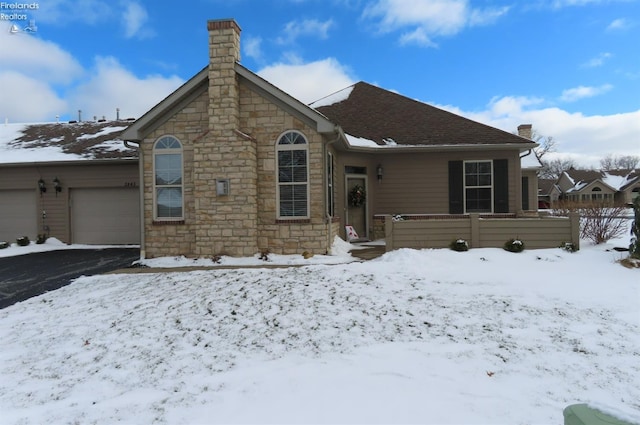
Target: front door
x,y
357,205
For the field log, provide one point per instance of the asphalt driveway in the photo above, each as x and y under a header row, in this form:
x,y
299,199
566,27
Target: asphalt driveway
x,y
25,276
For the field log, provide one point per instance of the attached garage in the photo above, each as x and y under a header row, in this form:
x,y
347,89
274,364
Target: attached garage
x,y
105,216
75,182
18,214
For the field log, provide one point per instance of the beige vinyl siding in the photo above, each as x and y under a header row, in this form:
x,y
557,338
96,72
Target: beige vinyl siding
x,y
533,188
534,232
479,232
75,174
419,234
426,174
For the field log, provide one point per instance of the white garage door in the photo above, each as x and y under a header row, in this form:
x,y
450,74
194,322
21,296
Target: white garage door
x,y
18,214
105,216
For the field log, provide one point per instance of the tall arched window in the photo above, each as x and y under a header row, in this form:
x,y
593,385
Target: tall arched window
x,y
167,181
293,175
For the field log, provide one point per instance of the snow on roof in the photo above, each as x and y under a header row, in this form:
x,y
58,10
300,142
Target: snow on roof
x,y
359,141
336,97
616,182
46,142
530,161
615,179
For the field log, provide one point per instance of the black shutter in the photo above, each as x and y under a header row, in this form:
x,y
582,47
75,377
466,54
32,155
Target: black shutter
x,y
525,193
456,188
500,186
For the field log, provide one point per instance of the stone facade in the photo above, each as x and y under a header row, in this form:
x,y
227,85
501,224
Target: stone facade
x,y
230,131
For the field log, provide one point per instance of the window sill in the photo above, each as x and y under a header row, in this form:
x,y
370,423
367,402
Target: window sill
x,y
166,222
293,220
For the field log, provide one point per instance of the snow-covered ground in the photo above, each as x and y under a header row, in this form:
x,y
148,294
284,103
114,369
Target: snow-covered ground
x,y
429,336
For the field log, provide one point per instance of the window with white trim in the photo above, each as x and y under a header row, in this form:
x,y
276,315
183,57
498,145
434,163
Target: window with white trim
x,y
167,181
478,186
293,175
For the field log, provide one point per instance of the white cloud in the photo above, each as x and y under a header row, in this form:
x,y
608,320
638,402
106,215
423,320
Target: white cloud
x,y
63,12
598,60
619,24
429,18
582,92
35,72
111,86
565,3
252,47
306,27
27,99
134,18
585,139
479,17
418,36
310,81
36,58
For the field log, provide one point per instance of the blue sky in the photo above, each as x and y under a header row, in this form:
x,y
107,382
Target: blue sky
x,y
569,67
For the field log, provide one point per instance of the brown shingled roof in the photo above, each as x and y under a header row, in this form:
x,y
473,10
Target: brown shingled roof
x,y
589,176
376,114
85,138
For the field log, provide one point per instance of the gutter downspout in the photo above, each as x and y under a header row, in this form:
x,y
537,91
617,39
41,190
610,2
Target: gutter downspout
x,y
328,218
127,144
527,154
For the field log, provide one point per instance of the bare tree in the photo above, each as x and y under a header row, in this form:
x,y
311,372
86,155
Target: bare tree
x,y
599,221
547,144
554,168
619,162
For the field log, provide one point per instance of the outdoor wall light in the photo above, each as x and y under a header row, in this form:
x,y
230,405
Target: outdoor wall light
x,y
380,172
57,186
42,186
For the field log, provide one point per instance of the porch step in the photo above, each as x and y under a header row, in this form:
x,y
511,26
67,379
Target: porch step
x,y
368,253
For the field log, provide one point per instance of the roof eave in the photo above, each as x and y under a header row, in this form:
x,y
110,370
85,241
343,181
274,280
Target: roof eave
x,y
441,148
86,161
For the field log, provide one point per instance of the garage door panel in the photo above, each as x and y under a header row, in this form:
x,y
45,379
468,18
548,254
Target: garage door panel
x,y
106,216
18,214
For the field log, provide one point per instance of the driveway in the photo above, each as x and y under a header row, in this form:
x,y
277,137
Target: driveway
x,y
25,276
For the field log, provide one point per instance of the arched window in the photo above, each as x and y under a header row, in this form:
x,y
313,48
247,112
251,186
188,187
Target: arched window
x,y
167,179
293,175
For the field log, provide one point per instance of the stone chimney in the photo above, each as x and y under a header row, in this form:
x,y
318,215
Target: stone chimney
x,y
525,130
224,52
226,222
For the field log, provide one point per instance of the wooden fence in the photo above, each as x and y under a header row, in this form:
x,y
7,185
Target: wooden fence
x,y
434,231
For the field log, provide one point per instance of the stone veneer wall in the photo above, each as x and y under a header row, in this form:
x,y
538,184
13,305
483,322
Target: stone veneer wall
x,y
230,132
171,238
225,224
265,121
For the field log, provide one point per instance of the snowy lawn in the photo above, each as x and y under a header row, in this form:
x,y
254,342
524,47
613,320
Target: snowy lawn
x,y
430,336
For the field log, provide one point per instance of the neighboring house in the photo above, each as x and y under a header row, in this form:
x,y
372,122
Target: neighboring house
x,y
72,181
231,164
548,193
614,186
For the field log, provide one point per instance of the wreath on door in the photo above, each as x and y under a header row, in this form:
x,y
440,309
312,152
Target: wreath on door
x,y
357,196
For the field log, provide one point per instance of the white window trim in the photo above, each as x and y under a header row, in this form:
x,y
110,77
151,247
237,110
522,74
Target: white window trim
x,y
155,187
280,148
465,187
